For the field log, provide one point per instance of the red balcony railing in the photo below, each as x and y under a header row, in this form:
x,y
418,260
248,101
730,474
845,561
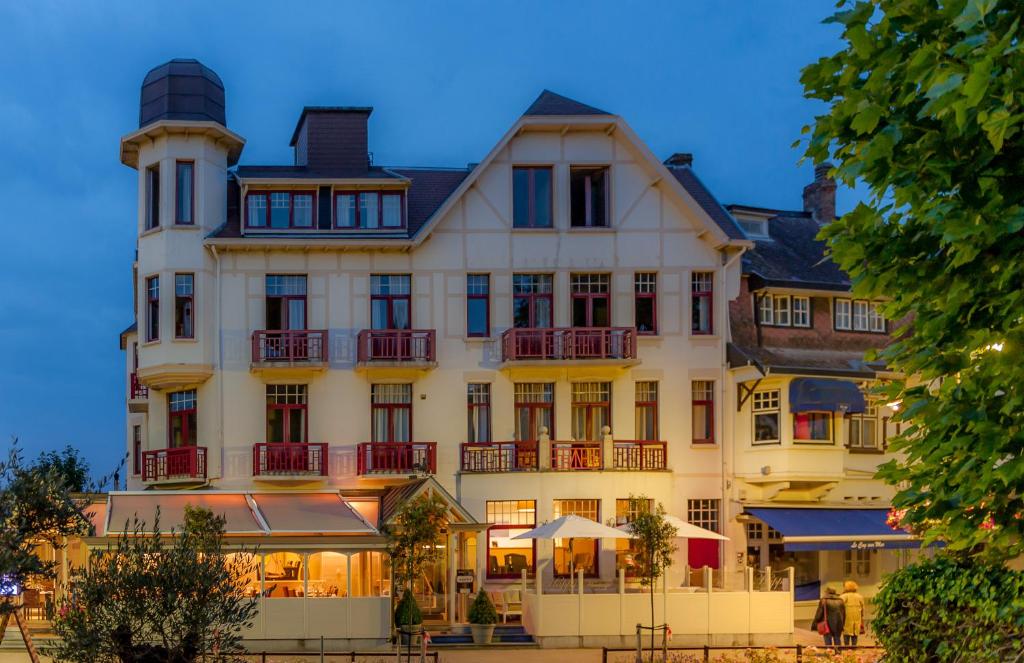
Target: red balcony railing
x,y
137,390
571,456
396,457
289,458
639,455
518,344
499,456
290,345
179,463
413,345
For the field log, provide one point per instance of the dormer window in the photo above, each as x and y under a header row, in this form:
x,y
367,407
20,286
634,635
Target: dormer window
x,y
280,210
754,228
368,210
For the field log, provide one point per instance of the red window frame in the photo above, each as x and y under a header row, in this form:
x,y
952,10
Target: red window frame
x,y
390,300
285,300
532,568
153,196
287,409
590,298
533,407
702,298
184,305
653,405
532,298
137,449
532,196
391,409
188,417
587,174
596,572
478,404
708,401
485,297
266,193
646,295
178,219
359,222
589,407
153,308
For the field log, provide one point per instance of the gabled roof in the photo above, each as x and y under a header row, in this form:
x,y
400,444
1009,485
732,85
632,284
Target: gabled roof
x,y
402,493
793,256
707,201
550,103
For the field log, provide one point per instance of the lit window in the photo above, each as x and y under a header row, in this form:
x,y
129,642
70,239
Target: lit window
x,y
534,404
801,311
701,288
584,552
506,556
703,412
812,426
766,416
478,400
391,412
645,293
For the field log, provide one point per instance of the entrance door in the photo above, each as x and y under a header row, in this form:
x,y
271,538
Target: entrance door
x,y
431,587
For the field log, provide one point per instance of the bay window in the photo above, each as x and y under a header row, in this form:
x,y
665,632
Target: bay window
x,y
153,308
812,426
153,196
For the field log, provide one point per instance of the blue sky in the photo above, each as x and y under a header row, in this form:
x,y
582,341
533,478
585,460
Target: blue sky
x,y
718,79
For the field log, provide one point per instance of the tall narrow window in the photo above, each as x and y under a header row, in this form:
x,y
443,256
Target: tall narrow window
x,y
478,305
256,211
782,310
137,449
153,308
801,311
645,293
531,197
766,416
184,193
369,210
701,289
588,196
591,409
704,513
390,301
184,306
286,301
591,301
478,400
860,315
181,409
508,556
534,407
765,310
703,412
862,430
841,317
531,300
286,413
280,209
876,321
646,426
391,210
153,196
392,412
583,553
302,210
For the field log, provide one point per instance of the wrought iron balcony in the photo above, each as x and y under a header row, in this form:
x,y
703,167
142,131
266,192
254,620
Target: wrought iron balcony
x,y
569,344
136,390
396,458
396,346
289,346
499,456
640,455
276,459
181,463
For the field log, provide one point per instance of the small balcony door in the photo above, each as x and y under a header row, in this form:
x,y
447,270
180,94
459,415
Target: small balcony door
x,y
532,300
390,301
591,410
391,412
591,301
182,429
534,407
286,302
286,413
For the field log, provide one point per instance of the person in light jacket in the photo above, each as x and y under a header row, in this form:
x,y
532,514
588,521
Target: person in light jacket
x,y
832,611
854,603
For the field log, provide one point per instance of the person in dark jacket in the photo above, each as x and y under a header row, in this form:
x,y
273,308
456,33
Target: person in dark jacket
x,y
832,611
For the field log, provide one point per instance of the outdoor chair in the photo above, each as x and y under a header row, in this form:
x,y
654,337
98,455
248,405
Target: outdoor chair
x,y
30,603
511,605
583,561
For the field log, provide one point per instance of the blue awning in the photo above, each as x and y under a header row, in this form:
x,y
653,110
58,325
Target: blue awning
x,y
825,395
833,529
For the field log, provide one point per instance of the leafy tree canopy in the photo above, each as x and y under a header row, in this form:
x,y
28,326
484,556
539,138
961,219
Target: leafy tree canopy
x,y
153,597
925,108
69,465
414,536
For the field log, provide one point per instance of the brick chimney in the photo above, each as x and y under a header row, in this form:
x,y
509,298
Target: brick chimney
x,y
820,195
679,159
333,138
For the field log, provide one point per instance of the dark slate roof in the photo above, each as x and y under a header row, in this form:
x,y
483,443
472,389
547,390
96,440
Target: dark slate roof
x,y
707,201
429,188
306,110
549,103
396,496
794,257
182,89
802,361
305,172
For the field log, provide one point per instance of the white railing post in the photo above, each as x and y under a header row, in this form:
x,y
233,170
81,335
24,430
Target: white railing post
x,y
579,622
750,579
544,449
768,578
708,578
607,448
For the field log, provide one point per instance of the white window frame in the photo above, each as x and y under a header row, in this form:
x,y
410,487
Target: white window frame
x,y
876,321
868,418
801,311
781,305
765,314
858,563
860,315
766,402
842,314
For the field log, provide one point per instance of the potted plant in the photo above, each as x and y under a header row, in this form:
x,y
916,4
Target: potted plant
x,y
408,618
482,618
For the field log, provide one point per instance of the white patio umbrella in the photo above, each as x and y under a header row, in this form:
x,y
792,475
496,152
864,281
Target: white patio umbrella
x,y
573,527
684,530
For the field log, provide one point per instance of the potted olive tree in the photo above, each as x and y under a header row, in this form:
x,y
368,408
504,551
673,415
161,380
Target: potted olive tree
x,y
408,618
482,618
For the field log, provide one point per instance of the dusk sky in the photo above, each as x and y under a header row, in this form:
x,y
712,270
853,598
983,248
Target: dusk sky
x,y
446,80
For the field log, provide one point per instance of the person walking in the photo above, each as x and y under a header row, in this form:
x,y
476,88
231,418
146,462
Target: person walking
x,y
854,603
830,618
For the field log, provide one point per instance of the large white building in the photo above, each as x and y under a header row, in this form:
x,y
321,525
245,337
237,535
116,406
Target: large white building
x,y
544,332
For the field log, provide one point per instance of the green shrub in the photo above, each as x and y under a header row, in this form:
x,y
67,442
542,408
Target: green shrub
x,y
482,610
407,612
947,610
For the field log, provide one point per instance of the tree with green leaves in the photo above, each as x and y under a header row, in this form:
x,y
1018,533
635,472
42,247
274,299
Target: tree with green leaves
x,y
415,536
173,598
67,464
925,105
654,542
